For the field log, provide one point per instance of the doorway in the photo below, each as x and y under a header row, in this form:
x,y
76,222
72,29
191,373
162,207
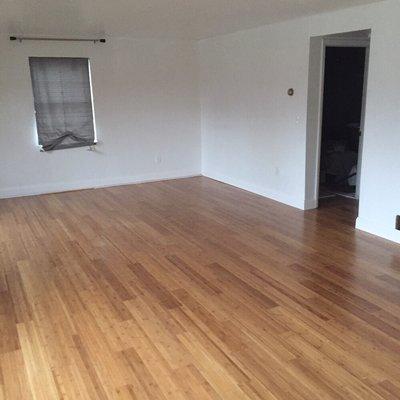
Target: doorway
x,y
335,123
341,121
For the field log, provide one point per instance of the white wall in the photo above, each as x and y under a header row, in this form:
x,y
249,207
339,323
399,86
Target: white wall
x,y
146,103
253,132
255,136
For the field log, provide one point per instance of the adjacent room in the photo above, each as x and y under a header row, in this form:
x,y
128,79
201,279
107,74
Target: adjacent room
x,y
345,77
199,200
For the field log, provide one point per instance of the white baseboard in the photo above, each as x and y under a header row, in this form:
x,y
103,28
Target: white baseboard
x,y
280,197
377,229
32,190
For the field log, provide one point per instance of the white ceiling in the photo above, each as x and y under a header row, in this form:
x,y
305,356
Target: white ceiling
x,y
186,19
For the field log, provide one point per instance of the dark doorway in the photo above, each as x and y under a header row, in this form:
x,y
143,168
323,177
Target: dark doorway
x,y
341,121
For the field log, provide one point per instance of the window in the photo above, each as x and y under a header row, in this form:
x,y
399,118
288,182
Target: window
x,y
63,102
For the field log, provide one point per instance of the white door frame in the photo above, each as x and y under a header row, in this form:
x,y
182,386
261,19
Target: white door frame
x,y
362,124
315,112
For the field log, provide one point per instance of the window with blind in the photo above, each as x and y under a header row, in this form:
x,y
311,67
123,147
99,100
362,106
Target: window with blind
x,y
63,102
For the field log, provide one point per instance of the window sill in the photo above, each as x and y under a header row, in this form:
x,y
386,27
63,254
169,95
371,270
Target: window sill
x,y
69,146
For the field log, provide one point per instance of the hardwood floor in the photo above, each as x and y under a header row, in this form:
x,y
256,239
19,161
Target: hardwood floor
x,y
192,289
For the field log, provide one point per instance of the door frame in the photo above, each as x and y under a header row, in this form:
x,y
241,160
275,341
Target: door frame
x,y
315,107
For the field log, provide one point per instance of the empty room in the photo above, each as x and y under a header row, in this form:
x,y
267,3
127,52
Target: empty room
x,y
199,200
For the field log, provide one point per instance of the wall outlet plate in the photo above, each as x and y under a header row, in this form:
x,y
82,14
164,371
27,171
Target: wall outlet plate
x,y
398,222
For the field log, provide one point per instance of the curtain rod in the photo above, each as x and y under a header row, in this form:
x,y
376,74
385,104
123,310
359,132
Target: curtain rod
x,y
21,38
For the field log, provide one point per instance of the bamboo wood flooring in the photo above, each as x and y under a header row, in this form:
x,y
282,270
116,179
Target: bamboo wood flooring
x,y
192,289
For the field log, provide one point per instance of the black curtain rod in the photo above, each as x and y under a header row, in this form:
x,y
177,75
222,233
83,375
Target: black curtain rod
x,y
21,38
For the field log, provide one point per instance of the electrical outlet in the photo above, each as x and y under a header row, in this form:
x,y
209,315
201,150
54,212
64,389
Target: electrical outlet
x,y
158,159
398,222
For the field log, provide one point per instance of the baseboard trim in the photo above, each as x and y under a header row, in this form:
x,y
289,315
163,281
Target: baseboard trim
x,y
377,229
279,197
34,190
362,224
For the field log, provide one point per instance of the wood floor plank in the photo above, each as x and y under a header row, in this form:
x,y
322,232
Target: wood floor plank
x,y
193,289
